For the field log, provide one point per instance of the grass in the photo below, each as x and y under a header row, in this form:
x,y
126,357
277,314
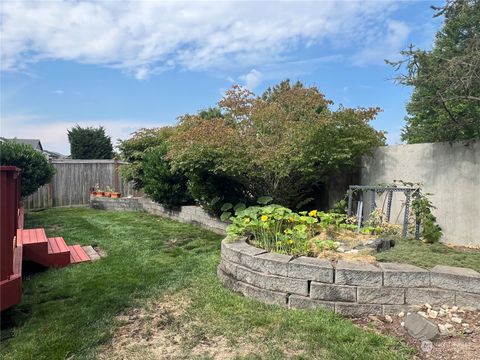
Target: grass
x,y
428,255
73,312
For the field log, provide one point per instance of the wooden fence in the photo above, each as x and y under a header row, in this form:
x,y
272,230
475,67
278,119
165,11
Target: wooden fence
x,y
73,180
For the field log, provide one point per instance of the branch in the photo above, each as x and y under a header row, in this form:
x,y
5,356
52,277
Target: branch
x,y
447,110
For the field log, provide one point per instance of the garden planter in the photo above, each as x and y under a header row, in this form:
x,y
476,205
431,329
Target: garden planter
x,y
99,193
107,194
115,195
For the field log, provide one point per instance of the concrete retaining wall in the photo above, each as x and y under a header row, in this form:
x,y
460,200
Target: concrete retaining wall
x,y
187,214
451,172
346,287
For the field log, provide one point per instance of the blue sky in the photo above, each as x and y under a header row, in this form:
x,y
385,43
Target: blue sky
x,y
131,65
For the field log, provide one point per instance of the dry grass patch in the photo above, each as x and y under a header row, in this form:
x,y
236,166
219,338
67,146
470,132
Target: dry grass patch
x,y
166,329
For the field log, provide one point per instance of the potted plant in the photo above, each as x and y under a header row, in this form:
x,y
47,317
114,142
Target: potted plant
x,y
108,192
96,191
115,195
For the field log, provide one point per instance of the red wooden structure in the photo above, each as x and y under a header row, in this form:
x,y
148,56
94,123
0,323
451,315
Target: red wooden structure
x,y
17,243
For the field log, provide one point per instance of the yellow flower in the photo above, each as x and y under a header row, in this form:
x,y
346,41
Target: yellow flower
x,y
246,220
289,241
264,218
291,219
312,213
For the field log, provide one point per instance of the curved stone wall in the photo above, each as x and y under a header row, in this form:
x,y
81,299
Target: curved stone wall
x,y
346,287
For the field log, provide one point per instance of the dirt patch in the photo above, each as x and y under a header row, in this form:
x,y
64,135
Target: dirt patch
x,y
465,249
164,329
101,252
459,341
335,256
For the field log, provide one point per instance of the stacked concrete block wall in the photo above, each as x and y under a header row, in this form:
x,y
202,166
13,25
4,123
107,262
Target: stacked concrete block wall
x,y
187,214
346,287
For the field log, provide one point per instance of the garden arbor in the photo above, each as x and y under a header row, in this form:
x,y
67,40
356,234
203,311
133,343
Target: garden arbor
x,y
360,194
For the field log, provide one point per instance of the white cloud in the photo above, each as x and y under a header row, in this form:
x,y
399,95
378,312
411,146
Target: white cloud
x,y
53,135
252,79
149,37
386,45
58,92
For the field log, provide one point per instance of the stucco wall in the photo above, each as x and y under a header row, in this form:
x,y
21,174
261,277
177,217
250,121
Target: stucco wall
x,y
450,171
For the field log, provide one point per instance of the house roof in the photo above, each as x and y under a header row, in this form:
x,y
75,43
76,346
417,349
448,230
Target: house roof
x,y
35,143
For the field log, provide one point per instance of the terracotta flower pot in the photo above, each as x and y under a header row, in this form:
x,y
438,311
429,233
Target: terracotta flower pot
x,y
99,193
107,194
116,195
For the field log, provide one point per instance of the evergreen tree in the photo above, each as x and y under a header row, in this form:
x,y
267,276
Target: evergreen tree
x,y
89,143
445,104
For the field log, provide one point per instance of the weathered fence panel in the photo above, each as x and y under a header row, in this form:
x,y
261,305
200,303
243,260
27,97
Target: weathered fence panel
x,y
73,180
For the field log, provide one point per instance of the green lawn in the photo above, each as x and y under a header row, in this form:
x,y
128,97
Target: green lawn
x,y
428,255
72,312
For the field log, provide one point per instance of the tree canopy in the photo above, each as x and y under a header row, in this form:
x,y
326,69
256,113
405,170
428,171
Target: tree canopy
x,y
89,143
445,104
150,170
279,144
35,168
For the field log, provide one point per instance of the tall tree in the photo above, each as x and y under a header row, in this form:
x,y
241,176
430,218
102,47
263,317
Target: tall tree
x,y
284,144
445,104
89,143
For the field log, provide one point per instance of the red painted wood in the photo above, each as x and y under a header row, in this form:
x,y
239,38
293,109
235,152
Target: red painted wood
x,y
77,254
10,291
32,236
9,194
17,243
11,288
21,216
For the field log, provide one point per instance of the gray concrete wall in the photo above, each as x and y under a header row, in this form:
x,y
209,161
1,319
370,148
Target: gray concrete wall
x,y
450,171
188,214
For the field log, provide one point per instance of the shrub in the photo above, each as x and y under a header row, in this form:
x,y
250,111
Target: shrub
x,y
89,143
36,170
280,144
161,183
134,149
150,170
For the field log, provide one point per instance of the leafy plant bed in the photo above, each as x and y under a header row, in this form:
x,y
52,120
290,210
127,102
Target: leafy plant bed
x,y
314,233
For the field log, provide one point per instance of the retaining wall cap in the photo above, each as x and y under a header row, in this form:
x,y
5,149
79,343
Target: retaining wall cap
x,y
271,263
451,270
271,256
305,260
454,278
244,248
356,265
400,267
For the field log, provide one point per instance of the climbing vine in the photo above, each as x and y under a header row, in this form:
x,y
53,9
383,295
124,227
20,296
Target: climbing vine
x,y
422,207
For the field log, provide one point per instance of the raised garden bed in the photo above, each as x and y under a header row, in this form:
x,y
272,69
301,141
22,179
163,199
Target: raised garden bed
x,y
346,287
